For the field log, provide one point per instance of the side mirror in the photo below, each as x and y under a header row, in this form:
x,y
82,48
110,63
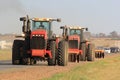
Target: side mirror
x,y
23,19
86,29
61,27
58,20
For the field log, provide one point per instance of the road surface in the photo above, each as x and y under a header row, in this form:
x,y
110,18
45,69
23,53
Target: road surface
x,y
7,64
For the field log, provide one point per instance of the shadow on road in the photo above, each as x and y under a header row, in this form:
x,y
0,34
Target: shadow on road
x,y
6,62
9,62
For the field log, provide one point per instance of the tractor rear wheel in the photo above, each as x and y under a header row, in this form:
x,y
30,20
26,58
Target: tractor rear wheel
x,y
100,54
103,55
31,61
96,54
83,56
78,57
52,61
28,61
72,57
90,53
62,53
17,50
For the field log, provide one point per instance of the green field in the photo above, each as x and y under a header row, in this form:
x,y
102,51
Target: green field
x,y
105,69
5,54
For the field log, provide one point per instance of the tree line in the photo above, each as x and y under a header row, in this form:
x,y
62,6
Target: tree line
x,y
113,34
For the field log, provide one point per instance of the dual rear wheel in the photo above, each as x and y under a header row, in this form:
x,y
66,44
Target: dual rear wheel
x,y
17,51
18,54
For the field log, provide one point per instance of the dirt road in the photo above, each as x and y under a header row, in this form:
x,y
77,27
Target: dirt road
x,y
7,64
35,72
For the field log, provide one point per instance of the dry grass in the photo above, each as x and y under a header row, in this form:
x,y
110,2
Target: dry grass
x,y
5,54
106,42
106,69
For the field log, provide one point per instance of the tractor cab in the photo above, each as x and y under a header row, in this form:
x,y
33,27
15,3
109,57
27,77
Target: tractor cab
x,y
43,24
40,24
77,31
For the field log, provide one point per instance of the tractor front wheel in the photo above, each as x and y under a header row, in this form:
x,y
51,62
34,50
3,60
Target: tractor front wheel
x,y
52,61
62,53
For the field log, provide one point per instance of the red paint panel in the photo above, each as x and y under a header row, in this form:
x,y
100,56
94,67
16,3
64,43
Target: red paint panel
x,y
74,37
36,52
49,53
39,32
75,51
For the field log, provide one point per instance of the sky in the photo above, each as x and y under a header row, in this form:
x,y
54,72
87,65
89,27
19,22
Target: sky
x,y
99,16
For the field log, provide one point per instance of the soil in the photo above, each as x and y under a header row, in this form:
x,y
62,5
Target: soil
x,y
38,72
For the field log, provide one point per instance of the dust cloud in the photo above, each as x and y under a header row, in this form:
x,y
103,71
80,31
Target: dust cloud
x,y
10,11
11,6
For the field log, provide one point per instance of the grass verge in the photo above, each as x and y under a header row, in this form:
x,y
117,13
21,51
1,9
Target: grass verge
x,y
5,54
105,69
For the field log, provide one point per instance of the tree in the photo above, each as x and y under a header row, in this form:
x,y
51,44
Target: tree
x,y
102,35
114,34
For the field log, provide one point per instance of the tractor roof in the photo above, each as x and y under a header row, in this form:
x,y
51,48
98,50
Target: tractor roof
x,y
75,27
41,19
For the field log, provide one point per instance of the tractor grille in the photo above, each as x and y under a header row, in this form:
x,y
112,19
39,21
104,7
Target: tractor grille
x,y
37,42
73,44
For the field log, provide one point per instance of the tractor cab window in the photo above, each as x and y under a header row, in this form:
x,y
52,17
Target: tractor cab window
x,y
41,25
74,31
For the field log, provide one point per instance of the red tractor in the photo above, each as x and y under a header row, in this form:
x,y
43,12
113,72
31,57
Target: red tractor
x,y
79,49
38,43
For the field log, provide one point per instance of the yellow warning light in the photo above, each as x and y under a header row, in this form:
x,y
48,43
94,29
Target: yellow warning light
x,y
75,27
41,19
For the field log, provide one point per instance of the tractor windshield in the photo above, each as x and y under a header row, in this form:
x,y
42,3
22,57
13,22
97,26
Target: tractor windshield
x,y
41,25
75,31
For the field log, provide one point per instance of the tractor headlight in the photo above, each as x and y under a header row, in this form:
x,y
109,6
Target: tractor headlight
x,y
23,34
33,35
40,35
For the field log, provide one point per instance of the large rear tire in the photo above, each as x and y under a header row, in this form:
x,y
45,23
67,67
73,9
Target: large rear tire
x,y
83,55
96,54
103,55
52,61
17,51
90,52
78,57
71,57
62,53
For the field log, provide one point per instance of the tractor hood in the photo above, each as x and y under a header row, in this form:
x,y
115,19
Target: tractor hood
x,y
74,37
39,32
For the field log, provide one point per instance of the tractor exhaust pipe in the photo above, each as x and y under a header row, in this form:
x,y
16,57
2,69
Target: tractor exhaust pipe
x,y
26,24
65,32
